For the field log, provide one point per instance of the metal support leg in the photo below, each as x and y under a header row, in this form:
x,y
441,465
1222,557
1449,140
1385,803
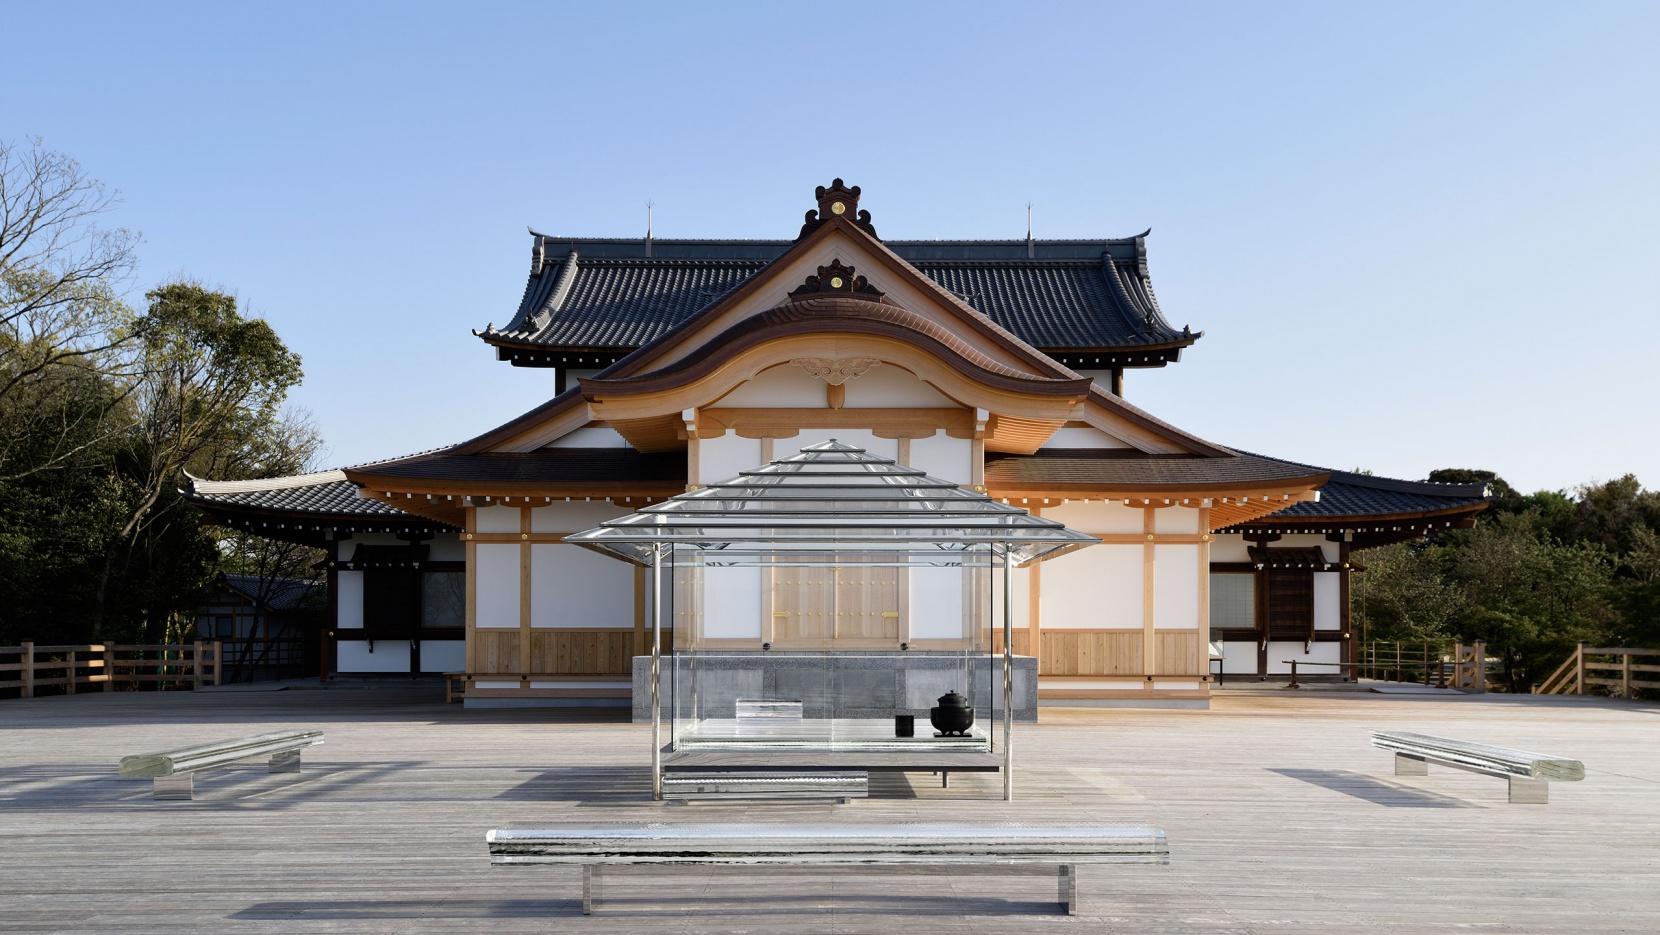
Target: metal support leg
x,y
1410,765
285,762
945,779
1529,791
179,786
1069,889
592,877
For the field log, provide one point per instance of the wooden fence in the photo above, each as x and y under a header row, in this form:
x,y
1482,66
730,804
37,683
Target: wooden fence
x,y
182,666
1462,665
1574,676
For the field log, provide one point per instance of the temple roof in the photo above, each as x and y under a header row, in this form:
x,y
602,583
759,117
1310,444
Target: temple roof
x,y
1088,303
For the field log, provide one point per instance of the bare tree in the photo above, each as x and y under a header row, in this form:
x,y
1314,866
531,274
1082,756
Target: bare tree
x,y
61,312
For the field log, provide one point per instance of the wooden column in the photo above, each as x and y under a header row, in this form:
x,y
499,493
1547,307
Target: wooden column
x,y
218,662
196,664
1034,604
28,661
1203,649
1149,642
639,610
1579,664
109,667
69,671
525,664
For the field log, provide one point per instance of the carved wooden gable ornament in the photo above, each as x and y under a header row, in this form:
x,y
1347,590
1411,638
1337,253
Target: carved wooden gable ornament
x,y
837,201
836,279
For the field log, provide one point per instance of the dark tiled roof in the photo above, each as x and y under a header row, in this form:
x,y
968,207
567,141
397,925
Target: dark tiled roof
x,y
544,466
1362,496
326,493
608,295
1125,469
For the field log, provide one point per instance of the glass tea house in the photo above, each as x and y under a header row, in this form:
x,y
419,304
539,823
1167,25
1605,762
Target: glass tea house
x,y
821,599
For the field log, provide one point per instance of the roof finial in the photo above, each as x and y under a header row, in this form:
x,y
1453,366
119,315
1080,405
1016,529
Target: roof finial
x,y
1030,249
649,206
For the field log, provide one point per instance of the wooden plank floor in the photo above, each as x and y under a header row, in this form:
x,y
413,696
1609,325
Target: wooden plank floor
x,y
1281,818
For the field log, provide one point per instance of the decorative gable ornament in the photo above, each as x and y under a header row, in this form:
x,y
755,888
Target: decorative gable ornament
x,y
837,201
838,371
836,278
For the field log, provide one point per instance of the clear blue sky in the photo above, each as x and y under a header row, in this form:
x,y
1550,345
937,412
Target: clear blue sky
x,y
1416,235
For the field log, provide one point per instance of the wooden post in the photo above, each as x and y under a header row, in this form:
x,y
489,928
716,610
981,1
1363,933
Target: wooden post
x,y
109,668
219,662
1579,666
1481,667
69,672
1397,677
28,669
1625,675
196,666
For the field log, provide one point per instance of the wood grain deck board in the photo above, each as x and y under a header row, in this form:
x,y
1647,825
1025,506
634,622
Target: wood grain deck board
x,y
1281,817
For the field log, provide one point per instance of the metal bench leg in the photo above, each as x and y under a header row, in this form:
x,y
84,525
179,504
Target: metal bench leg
x,y
288,762
1529,791
1410,765
1069,889
945,779
179,786
592,876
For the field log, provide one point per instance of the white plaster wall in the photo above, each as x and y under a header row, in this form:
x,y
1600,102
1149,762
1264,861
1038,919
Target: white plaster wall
x,y
1098,516
442,655
721,458
1175,586
785,386
1229,548
594,436
575,515
446,547
886,386
861,438
1097,587
571,586
1176,520
1021,580
1073,437
1280,652
496,573
944,457
1328,604
936,610
732,603
496,519
1241,658
349,600
389,656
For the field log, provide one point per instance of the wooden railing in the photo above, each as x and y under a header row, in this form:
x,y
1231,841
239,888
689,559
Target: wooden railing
x,y
1573,676
30,667
1462,665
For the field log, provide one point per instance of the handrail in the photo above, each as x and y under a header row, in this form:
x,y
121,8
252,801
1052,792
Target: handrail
x,y
1573,676
189,665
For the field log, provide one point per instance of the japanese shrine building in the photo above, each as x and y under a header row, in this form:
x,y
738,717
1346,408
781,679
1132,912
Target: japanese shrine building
x,y
996,365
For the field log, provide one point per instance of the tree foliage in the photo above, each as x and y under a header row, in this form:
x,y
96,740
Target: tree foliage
x,y
104,409
1538,573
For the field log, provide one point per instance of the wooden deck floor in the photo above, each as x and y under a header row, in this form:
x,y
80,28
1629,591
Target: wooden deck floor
x,y
1280,815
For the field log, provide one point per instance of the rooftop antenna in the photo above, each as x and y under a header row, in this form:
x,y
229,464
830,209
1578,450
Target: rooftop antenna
x,y
1031,249
649,206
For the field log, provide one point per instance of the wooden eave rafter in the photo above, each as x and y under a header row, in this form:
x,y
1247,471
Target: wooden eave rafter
x,y
1228,504
446,502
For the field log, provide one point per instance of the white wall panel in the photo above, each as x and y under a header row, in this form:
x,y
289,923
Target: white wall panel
x,y
595,436
496,574
1241,658
1229,548
721,458
443,655
944,457
732,603
1097,587
1068,437
1280,654
1176,520
1328,603
496,519
1097,516
389,656
1021,580
888,387
1175,586
936,610
576,515
571,586
785,386
349,600
861,438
